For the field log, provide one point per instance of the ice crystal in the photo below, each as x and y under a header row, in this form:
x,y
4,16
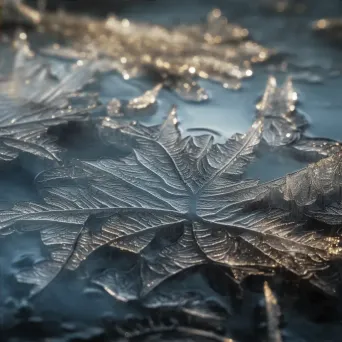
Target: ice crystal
x,y
35,79
316,189
272,314
171,327
317,180
217,49
166,180
33,99
285,125
318,147
282,123
195,297
144,104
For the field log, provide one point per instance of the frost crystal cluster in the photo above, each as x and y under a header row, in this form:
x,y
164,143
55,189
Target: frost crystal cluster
x,y
171,201
217,49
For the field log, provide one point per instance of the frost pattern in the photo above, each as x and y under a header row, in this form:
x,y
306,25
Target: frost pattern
x,y
316,190
33,99
38,80
318,180
217,49
282,123
166,180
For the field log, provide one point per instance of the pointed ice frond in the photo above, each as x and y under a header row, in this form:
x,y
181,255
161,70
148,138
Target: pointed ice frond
x,y
171,260
282,123
198,160
23,128
272,315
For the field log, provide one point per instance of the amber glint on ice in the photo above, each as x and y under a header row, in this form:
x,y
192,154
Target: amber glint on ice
x,y
330,28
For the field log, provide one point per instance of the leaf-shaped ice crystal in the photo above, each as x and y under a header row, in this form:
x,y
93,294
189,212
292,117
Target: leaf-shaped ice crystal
x,y
193,295
33,100
40,81
166,180
23,128
282,124
170,260
216,50
155,267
